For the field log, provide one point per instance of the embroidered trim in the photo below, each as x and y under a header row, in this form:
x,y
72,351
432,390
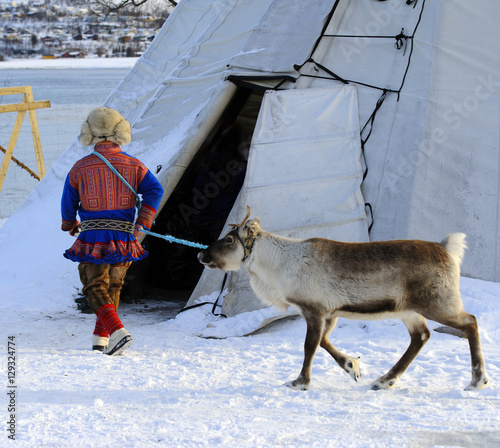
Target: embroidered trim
x,y
146,216
68,225
108,224
116,251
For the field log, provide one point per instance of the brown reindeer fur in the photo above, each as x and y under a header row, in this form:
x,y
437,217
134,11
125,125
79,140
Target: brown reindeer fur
x,y
410,279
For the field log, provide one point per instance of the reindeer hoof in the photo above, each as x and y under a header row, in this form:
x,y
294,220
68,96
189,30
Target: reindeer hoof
x,y
353,369
382,383
297,385
483,383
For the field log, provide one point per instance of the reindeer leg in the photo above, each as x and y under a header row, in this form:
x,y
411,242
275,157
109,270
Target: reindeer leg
x,y
315,325
419,334
467,323
349,364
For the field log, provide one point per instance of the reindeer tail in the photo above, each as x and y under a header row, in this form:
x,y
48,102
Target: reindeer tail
x,y
454,243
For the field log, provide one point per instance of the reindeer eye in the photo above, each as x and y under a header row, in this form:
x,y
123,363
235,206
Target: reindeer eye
x,y
229,239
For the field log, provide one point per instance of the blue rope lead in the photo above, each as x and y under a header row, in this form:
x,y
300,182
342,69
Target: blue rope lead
x,y
172,239
169,238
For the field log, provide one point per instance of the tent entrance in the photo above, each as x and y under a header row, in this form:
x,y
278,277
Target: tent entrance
x,y
303,179
198,207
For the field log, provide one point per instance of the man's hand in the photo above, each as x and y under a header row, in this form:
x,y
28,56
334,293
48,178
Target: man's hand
x,y
76,229
137,231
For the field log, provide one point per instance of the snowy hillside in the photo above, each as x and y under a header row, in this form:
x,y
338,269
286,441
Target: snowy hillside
x,y
72,29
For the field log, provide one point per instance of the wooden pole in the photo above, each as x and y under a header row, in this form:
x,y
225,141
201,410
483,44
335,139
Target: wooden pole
x,y
10,146
20,164
27,105
35,133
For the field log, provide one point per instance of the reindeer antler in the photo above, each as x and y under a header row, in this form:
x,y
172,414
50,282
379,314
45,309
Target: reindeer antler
x,y
242,222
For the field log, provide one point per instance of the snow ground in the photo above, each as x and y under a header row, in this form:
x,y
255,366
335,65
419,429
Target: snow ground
x,y
173,388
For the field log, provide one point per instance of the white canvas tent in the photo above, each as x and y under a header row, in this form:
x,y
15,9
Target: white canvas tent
x,y
417,80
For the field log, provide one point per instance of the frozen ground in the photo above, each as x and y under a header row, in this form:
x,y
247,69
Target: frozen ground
x,y
174,388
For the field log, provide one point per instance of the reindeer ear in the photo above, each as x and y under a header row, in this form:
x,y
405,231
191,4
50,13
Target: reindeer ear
x,y
252,228
257,220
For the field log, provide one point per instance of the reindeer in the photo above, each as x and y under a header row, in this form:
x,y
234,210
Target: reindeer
x,y
409,279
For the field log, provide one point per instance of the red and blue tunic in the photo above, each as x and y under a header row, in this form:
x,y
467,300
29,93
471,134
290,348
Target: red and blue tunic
x,y
94,192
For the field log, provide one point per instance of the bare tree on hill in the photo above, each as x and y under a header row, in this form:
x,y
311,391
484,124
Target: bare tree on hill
x,y
109,6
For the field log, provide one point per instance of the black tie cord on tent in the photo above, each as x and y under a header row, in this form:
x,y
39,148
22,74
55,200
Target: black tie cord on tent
x,y
325,26
336,77
401,42
369,207
370,122
215,304
409,2
401,38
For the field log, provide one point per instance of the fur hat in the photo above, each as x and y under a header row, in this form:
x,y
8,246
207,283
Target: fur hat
x,y
105,124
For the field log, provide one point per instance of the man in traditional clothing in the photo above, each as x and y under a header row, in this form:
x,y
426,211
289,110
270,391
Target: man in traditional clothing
x,y
107,244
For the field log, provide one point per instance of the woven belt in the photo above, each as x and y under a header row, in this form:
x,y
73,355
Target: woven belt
x,y
108,224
